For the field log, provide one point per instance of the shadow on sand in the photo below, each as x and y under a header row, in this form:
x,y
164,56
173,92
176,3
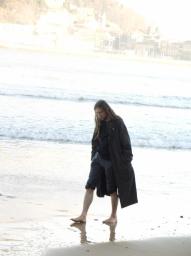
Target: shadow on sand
x,y
166,246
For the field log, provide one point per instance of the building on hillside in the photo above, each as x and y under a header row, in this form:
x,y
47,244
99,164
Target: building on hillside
x,y
185,51
147,48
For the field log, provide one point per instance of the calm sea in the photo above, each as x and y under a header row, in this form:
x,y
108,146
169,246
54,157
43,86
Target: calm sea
x,y
50,97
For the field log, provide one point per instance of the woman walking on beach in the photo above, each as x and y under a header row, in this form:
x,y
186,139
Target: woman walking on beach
x,y
111,171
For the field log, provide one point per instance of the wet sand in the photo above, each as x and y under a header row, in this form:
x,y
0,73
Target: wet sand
x,y
42,188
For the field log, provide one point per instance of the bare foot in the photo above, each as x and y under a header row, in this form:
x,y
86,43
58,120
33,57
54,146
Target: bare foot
x,y
111,220
80,225
80,219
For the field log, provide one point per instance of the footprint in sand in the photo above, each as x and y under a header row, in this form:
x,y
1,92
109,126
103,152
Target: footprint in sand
x,y
62,210
8,196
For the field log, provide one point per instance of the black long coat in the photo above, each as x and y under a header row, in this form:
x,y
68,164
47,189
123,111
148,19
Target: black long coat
x,y
121,157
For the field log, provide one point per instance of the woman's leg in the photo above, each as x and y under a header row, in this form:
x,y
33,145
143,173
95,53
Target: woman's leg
x,y
112,190
88,198
93,180
113,217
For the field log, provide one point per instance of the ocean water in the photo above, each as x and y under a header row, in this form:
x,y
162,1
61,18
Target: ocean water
x,y
50,97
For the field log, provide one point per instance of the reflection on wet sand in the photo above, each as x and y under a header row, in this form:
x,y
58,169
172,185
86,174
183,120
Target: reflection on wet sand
x,y
112,231
82,228
83,234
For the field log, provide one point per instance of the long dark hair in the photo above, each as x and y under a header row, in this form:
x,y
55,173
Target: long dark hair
x,y
102,104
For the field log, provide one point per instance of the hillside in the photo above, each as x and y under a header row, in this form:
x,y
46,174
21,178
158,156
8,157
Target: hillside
x,y
108,11
20,11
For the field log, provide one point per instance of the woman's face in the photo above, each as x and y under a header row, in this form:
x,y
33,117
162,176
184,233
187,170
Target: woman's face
x,y
100,114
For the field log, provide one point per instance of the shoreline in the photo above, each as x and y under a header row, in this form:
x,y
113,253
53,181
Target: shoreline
x,y
57,142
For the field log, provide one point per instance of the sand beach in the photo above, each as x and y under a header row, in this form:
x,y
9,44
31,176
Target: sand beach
x,y
42,186
151,247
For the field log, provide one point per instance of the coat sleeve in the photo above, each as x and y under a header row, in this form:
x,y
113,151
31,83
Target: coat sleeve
x,y
125,142
94,147
93,152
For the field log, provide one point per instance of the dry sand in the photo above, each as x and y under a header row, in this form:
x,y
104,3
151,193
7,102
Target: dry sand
x,y
179,246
